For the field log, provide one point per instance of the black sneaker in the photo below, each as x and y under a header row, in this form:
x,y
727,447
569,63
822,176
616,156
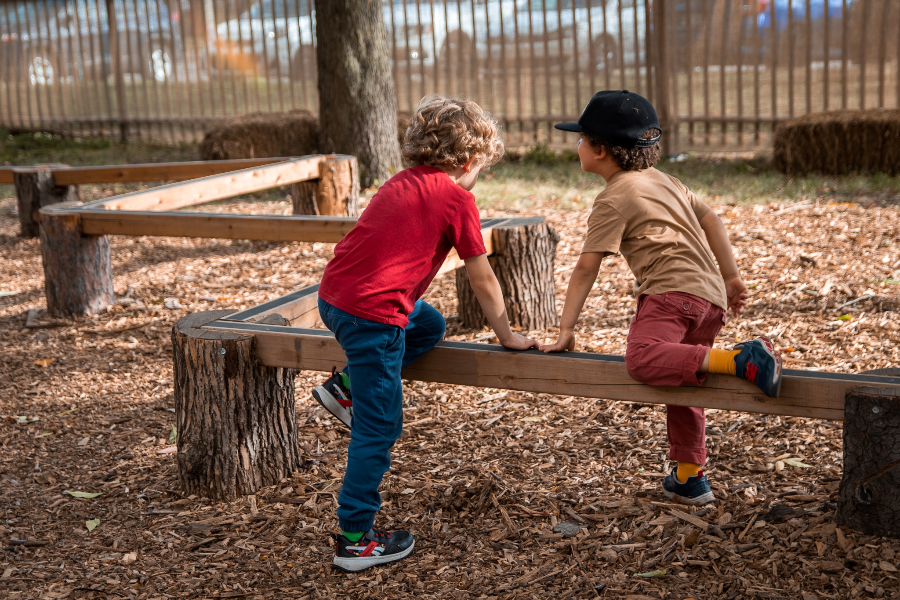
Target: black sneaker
x,y
374,548
759,363
334,397
695,490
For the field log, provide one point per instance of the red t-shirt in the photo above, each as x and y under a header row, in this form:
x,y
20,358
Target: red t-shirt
x,y
388,260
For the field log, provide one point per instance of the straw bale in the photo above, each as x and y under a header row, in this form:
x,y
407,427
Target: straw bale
x,y
839,142
262,135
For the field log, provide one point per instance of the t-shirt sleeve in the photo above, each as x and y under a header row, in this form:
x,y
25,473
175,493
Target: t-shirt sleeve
x,y
699,207
464,231
606,226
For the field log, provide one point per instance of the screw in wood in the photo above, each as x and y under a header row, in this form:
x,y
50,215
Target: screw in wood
x,y
876,410
222,351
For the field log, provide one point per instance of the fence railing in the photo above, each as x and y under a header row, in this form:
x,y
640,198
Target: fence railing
x,y
721,72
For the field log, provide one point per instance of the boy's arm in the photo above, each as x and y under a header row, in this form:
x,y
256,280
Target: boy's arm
x,y
490,296
583,278
721,248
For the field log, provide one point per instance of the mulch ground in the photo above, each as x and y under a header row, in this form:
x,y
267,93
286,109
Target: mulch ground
x,y
510,494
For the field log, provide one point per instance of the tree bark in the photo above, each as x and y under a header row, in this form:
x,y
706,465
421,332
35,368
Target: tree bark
x,y
357,101
868,500
523,260
236,423
77,268
334,194
35,189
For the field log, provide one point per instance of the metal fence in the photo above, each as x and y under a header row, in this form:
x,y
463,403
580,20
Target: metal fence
x,y
721,72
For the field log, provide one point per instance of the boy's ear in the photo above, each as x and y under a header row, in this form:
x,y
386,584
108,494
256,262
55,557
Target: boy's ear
x,y
468,166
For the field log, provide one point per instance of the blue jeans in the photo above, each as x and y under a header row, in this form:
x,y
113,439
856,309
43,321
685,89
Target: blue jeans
x,y
375,355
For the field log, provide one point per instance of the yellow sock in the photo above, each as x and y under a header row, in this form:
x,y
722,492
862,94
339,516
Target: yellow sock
x,y
722,361
686,470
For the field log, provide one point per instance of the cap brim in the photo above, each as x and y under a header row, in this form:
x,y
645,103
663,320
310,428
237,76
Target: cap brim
x,y
569,127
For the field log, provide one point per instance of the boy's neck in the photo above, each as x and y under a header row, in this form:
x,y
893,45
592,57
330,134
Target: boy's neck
x,y
608,169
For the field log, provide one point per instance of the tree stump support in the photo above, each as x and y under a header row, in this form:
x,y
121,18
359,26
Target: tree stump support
x,y
78,277
236,422
35,189
869,500
334,194
523,260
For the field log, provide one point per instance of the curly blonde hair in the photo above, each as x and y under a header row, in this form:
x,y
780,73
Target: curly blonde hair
x,y
447,132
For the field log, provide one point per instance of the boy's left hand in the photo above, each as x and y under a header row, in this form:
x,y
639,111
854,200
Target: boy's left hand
x,y
519,342
737,293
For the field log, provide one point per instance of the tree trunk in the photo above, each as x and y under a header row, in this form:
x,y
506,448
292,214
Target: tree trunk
x,y
334,194
868,500
35,189
237,429
357,101
523,260
77,270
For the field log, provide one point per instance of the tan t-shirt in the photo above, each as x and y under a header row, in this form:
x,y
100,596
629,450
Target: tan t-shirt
x,y
654,221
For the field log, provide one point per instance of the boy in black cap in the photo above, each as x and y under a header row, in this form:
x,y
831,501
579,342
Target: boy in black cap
x,y
672,242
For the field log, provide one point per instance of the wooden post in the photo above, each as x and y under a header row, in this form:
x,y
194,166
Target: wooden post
x,y
121,108
664,101
77,272
869,500
237,428
523,260
334,194
35,188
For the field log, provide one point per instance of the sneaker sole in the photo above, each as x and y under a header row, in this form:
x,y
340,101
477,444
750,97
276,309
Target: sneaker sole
x,y
769,347
328,402
698,501
355,565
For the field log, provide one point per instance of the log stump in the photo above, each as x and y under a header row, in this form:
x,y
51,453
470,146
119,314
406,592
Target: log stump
x,y
236,422
523,260
334,194
35,189
77,268
869,501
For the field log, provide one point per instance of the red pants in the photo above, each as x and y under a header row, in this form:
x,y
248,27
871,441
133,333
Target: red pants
x,y
668,340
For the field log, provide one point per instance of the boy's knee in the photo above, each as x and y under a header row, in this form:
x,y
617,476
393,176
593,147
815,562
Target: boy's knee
x,y
634,363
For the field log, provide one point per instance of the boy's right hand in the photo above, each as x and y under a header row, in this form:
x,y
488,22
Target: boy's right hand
x,y
565,341
519,342
737,293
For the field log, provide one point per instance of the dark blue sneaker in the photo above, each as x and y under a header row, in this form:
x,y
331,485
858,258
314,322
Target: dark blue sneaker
x,y
695,490
376,547
759,363
334,396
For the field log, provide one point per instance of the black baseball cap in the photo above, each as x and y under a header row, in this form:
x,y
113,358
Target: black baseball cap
x,y
618,117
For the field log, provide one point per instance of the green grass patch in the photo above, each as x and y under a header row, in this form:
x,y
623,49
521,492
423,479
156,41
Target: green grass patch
x,y
37,148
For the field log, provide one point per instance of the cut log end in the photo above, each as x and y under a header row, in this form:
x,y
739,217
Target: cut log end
x,y
524,264
868,500
77,268
334,194
236,422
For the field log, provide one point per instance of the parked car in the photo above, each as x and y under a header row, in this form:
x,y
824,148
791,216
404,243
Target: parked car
x,y
276,36
775,20
23,25
73,43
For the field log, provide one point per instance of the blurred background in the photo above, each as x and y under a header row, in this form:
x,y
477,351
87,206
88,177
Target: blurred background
x,y
721,72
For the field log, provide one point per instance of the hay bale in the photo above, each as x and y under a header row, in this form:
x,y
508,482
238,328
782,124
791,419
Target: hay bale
x,y
263,135
839,142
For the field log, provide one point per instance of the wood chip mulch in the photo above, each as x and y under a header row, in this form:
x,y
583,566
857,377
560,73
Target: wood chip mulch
x,y
510,495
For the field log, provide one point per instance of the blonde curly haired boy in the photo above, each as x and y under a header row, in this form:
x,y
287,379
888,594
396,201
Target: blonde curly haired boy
x,y
369,298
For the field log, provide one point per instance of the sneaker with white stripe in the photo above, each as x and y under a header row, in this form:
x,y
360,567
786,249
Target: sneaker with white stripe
x,y
376,547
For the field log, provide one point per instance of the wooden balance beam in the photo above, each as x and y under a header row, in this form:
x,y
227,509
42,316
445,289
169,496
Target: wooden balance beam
x,y
38,186
811,394
224,360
